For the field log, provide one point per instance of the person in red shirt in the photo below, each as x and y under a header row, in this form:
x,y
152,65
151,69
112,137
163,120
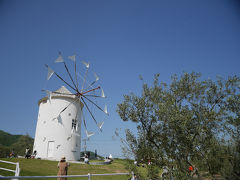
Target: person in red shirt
x,y
190,168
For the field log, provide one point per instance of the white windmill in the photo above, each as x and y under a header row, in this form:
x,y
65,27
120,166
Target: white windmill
x,y
58,130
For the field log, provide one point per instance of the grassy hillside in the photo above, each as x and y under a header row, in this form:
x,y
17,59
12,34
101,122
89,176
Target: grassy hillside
x,y
36,167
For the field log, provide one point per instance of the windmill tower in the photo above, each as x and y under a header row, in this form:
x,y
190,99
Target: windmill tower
x,y
57,134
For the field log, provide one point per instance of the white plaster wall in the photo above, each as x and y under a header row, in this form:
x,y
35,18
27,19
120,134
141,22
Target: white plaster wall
x,y
49,129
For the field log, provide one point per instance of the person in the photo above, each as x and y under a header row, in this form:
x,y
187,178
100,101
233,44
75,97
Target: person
x,y
86,159
190,168
27,153
193,170
135,163
12,154
63,168
134,177
34,154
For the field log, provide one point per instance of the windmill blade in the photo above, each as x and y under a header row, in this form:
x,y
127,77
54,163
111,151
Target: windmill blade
x,y
96,76
89,110
89,134
105,109
59,77
49,94
75,71
96,79
73,58
92,95
84,122
68,105
100,125
91,84
86,64
94,89
84,80
102,93
70,76
50,73
59,59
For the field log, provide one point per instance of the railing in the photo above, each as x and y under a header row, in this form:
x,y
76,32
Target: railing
x,y
69,176
16,171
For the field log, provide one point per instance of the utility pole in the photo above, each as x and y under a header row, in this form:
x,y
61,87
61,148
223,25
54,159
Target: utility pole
x,y
85,145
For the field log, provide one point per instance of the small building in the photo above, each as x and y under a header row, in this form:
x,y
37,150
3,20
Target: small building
x,y
58,130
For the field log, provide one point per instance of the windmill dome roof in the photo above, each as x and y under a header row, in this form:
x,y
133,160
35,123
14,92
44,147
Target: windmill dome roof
x,y
61,92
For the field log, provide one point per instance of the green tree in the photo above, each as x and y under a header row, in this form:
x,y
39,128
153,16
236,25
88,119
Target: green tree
x,y
184,123
21,145
4,151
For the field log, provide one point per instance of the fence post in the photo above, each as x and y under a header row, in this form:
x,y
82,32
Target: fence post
x,y
89,176
17,172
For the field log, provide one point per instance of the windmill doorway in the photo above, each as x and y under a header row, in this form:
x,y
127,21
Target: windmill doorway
x,y
50,149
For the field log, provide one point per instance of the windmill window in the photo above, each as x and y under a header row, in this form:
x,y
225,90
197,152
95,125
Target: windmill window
x,y
74,124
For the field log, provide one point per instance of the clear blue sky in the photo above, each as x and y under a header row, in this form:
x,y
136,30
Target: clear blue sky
x,y
121,39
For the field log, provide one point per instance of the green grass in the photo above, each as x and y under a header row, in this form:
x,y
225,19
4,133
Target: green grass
x,y
36,167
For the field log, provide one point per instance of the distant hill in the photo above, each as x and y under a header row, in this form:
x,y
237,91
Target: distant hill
x,y
15,143
7,139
